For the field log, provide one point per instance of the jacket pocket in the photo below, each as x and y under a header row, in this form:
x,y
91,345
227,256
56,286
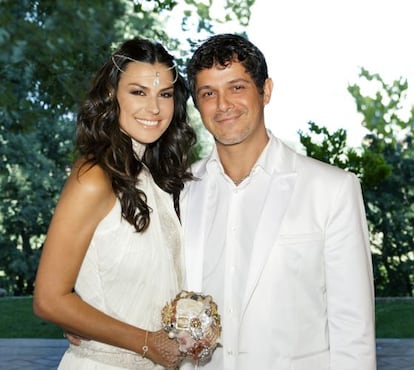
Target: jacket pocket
x,y
318,361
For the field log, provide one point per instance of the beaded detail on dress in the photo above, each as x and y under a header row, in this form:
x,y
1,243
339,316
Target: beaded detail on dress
x,y
172,238
120,358
169,226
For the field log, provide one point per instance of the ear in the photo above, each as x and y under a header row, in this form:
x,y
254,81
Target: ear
x,y
267,90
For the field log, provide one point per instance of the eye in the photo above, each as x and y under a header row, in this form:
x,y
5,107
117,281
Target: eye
x,y
238,87
207,94
137,92
167,94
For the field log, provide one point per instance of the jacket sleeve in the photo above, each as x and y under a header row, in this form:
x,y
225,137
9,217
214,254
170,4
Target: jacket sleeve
x,y
349,279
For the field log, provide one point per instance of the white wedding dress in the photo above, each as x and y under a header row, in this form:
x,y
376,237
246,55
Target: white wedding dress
x,y
129,276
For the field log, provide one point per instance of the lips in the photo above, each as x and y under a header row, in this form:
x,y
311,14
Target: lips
x,y
146,122
224,119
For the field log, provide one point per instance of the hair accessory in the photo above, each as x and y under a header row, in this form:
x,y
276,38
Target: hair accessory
x,y
157,73
156,79
145,346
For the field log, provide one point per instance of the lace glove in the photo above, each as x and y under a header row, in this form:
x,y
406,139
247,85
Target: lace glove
x,y
162,350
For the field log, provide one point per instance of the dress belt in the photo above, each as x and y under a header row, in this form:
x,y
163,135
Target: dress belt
x,y
114,356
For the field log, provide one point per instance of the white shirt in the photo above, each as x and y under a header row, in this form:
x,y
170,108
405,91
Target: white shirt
x,y
230,240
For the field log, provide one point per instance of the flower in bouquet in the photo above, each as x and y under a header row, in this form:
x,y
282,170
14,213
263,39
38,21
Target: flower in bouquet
x,y
193,320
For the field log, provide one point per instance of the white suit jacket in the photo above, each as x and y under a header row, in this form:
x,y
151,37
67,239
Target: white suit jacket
x,y
309,301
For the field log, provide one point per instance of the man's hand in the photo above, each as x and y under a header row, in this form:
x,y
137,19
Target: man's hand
x,y
73,338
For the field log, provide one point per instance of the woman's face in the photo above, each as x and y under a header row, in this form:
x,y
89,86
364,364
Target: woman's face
x,y
146,99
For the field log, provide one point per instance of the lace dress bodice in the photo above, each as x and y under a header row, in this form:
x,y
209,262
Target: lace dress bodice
x,y
129,276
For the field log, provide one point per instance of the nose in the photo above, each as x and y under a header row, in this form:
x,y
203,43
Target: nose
x,y
153,105
223,102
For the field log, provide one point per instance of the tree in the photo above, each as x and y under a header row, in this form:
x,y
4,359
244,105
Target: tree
x,y
391,202
48,63
48,52
385,165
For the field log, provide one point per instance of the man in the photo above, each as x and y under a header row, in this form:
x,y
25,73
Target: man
x,y
278,239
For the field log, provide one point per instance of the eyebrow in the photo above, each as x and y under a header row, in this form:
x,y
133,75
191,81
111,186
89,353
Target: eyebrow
x,y
136,84
204,87
231,82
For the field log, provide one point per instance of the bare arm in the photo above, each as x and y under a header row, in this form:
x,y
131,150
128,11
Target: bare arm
x,y
84,202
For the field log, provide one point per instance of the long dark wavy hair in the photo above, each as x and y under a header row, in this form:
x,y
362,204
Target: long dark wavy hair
x,y
100,141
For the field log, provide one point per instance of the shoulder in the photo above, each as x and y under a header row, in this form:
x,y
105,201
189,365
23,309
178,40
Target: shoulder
x,y
90,178
318,168
282,158
89,186
325,182
310,171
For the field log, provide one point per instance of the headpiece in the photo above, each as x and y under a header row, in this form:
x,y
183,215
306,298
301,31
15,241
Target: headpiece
x,y
157,73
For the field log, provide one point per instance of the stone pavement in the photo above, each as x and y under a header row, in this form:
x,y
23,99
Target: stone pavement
x,y
31,354
394,354
44,354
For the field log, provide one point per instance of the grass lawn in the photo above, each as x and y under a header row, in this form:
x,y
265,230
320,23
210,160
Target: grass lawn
x,y
19,321
394,319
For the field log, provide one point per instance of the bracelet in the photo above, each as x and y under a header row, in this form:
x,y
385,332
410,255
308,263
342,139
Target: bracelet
x,y
145,346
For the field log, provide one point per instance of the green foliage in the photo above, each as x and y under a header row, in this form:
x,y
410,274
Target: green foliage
x,y
382,112
385,165
331,148
49,51
391,202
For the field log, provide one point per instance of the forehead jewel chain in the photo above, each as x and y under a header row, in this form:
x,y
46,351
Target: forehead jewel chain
x,y
156,81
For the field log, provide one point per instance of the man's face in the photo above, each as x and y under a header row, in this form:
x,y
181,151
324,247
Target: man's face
x,y
229,103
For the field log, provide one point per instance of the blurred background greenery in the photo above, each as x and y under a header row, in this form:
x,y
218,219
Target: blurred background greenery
x,y
49,51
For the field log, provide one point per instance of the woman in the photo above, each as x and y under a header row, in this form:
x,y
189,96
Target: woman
x,y
112,257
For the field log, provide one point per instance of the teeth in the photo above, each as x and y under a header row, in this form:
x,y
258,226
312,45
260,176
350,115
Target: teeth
x,y
147,122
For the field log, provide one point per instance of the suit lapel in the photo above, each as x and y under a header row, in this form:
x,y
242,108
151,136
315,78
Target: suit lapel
x,y
202,201
198,220
276,203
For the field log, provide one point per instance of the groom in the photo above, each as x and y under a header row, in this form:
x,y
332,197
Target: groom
x,y
278,239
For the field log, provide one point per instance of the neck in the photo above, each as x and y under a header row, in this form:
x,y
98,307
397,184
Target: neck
x,y
237,182
238,160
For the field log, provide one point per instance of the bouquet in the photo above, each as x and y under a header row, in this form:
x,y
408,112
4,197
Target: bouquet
x,y
193,320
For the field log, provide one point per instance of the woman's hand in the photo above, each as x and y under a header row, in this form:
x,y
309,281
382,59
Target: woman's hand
x,y
164,350
161,349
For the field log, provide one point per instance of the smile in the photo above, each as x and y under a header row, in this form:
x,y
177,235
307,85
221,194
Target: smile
x,y
147,122
226,119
